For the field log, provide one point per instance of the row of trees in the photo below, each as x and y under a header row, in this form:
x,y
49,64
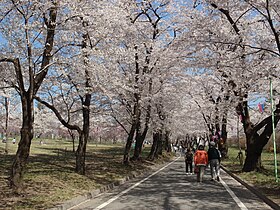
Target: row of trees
x,y
162,67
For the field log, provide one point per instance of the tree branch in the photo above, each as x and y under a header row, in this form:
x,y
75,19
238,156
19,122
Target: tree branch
x,y
58,115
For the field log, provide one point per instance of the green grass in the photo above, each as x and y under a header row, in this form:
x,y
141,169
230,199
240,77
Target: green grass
x,y
264,180
50,178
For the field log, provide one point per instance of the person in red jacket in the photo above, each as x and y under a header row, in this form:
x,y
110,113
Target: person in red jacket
x,y
200,162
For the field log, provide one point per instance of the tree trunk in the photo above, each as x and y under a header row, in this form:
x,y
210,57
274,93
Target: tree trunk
x,y
252,154
24,143
138,147
81,155
83,137
159,149
255,142
128,144
73,139
152,153
139,144
6,125
167,144
222,145
157,146
140,137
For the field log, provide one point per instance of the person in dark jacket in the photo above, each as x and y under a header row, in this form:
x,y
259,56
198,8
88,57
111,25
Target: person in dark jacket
x,y
189,161
214,158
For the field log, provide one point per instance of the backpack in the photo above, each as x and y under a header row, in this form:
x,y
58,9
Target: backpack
x,y
214,153
188,156
201,157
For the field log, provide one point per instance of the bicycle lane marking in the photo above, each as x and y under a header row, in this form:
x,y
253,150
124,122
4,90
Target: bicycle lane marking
x,y
130,188
234,197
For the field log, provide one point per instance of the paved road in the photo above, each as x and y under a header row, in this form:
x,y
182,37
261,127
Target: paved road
x,y
170,188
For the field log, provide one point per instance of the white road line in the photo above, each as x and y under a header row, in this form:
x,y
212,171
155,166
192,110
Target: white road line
x,y
85,201
235,198
130,188
79,204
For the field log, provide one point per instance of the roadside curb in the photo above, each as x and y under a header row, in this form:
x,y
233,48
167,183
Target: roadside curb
x,y
253,190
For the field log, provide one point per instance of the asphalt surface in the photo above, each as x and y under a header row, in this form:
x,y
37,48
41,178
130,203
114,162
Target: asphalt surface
x,y
171,188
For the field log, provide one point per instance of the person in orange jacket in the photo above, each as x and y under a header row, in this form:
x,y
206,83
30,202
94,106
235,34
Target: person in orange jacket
x,y
200,162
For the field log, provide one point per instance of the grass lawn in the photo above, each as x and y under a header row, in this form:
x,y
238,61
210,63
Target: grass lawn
x,y
50,178
264,180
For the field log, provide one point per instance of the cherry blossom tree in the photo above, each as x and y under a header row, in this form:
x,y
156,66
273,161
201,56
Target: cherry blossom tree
x,y
28,30
152,30
77,92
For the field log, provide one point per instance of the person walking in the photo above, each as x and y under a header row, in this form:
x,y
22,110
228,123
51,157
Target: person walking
x,y
200,162
189,161
214,157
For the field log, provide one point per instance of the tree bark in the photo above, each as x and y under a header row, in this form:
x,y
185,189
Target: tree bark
x,y
80,155
136,112
159,150
6,125
255,142
128,144
222,145
154,147
24,143
83,137
140,137
167,144
138,147
73,139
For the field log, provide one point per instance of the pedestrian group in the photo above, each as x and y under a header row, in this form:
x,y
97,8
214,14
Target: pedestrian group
x,y
201,159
